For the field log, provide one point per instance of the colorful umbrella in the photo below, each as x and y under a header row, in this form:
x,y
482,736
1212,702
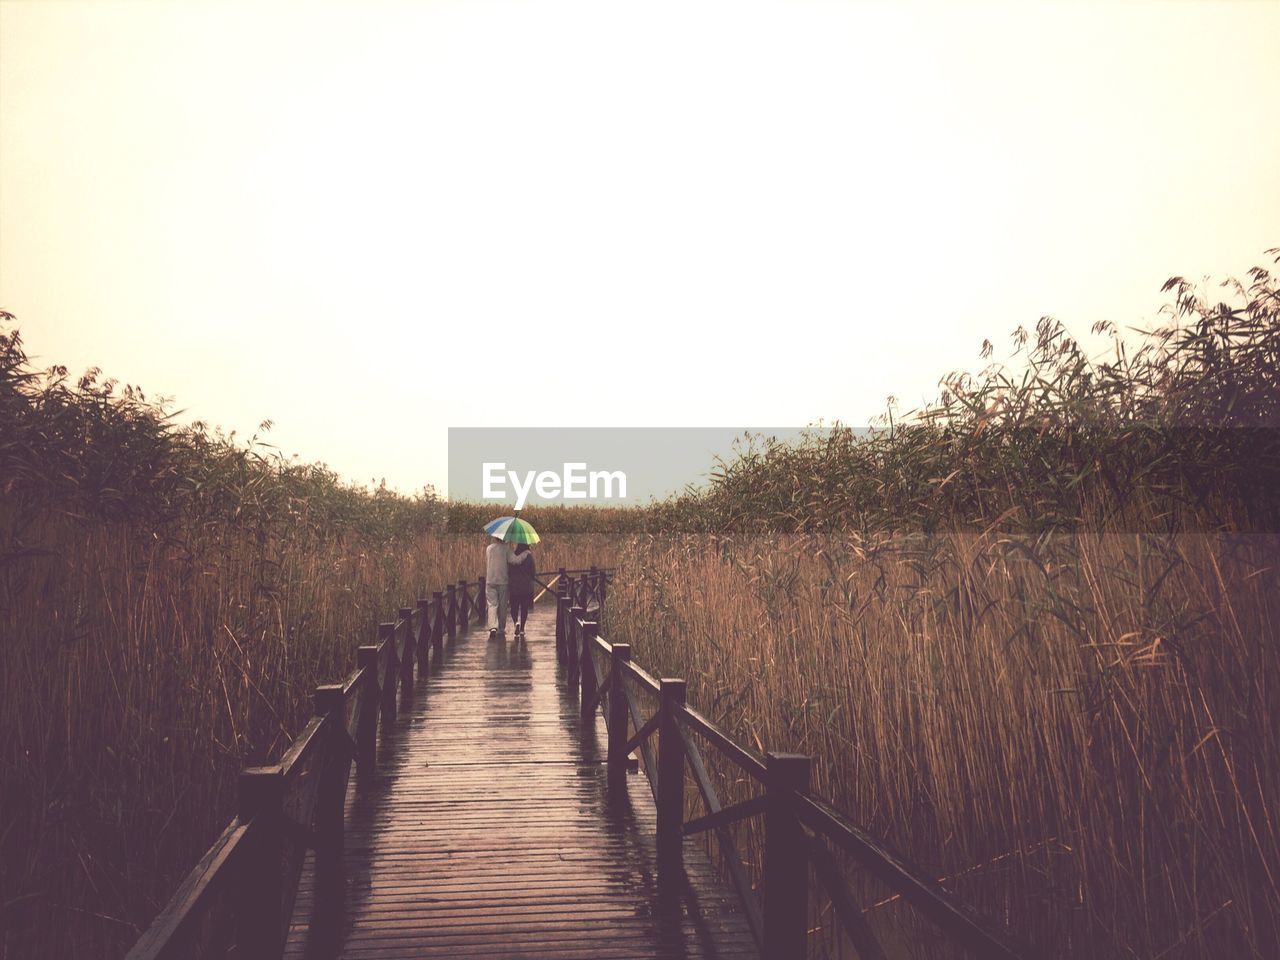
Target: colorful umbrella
x,y
512,530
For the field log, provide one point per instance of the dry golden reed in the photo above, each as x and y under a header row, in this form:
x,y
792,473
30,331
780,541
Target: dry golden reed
x,y
137,676
1027,633
1079,733
169,598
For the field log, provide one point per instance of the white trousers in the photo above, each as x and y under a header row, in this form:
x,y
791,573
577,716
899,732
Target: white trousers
x,y
496,595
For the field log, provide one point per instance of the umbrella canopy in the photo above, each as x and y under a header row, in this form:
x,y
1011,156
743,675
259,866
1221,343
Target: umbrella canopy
x,y
512,530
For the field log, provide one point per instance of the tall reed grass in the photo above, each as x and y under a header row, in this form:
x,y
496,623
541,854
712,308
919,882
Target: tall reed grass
x,y
138,675
169,598
1177,428
1028,632
1078,733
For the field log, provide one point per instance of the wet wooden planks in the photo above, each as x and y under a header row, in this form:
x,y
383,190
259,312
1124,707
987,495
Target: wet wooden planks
x,y
487,832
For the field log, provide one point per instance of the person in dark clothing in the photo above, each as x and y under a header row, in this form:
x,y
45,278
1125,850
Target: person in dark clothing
x,y
520,574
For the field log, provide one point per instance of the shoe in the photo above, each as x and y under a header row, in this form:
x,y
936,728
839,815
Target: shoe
x,y
493,634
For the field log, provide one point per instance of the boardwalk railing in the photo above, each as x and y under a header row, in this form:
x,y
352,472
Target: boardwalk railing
x,y
799,829
239,898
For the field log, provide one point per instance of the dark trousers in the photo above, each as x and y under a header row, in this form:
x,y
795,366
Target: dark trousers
x,y
520,604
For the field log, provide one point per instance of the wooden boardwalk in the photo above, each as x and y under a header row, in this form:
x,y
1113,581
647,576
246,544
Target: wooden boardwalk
x,y
488,819
487,831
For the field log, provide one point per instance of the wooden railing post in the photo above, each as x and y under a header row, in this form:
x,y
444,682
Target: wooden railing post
x,y
331,796
594,580
586,631
260,888
437,624
464,607
786,867
562,628
600,589
387,636
571,641
482,602
406,660
423,645
367,722
571,646
619,656
451,616
559,626
670,782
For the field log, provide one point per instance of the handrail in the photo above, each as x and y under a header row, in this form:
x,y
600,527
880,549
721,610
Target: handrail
x,y
905,878
747,759
578,572
850,914
645,678
304,744
353,680
546,587
257,860
559,575
164,939
797,824
742,886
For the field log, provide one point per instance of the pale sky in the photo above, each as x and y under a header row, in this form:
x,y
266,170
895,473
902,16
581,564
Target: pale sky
x,y
340,215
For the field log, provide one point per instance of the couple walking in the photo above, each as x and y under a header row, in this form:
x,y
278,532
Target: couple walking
x,y
508,576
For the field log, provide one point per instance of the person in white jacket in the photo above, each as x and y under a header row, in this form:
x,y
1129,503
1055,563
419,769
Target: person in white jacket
x,y
495,586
